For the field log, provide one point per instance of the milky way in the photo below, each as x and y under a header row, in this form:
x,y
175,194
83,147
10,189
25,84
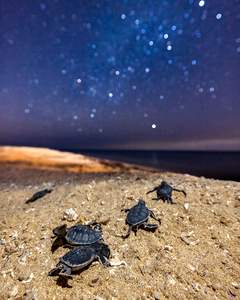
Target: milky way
x,y
120,74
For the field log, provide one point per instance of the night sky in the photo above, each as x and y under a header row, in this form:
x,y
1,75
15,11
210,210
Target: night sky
x,y
120,74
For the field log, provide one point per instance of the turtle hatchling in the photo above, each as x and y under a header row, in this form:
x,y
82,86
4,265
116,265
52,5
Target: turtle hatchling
x,y
79,234
38,195
164,192
137,215
80,257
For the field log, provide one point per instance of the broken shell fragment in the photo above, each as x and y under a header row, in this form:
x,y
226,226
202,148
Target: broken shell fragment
x,y
183,236
117,262
69,215
186,206
235,284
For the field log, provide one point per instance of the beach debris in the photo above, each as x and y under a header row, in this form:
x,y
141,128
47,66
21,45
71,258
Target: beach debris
x,y
156,295
164,192
168,248
23,277
237,204
147,268
80,257
186,206
137,215
30,296
184,237
7,272
2,241
116,262
69,215
230,293
13,292
98,298
226,221
38,195
236,285
28,279
192,268
94,281
79,234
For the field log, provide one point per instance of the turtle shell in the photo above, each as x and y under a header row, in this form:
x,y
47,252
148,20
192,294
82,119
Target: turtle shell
x,y
80,257
165,189
138,213
82,235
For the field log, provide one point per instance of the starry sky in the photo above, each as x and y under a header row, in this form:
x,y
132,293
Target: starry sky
x,y
120,74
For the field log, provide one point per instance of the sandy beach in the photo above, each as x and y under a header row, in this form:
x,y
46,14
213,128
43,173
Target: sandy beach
x,y
193,254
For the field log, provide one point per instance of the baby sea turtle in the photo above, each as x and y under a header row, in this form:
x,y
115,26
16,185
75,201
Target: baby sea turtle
x,y
80,257
164,192
137,215
38,195
79,234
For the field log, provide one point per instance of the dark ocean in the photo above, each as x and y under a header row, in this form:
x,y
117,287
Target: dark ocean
x,y
217,165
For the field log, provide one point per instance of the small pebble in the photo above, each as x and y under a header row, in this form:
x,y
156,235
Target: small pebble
x,y
235,284
94,281
224,221
156,295
30,296
237,204
23,277
13,292
103,203
216,286
168,248
186,206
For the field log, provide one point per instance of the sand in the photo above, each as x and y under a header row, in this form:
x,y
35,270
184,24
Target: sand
x,y
158,264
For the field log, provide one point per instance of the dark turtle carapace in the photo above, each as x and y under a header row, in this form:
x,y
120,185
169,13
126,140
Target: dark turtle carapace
x,y
79,257
164,192
38,195
137,215
79,234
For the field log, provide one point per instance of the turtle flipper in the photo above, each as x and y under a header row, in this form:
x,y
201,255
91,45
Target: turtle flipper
x,y
152,190
66,272
103,261
158,198
180,191
169,200
55,271
154,217
125,209
150,226
129,230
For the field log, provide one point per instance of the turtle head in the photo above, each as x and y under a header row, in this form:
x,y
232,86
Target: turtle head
x,y
60,230
98,228
101,248
141,202
104,249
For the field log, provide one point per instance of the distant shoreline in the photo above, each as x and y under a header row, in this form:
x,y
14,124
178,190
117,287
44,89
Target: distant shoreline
x,y
224,165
